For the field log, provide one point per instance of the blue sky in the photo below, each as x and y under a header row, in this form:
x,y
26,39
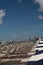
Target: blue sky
x,y
19,18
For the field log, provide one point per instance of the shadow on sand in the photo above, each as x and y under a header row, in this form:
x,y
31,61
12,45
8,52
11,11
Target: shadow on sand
x,y
39,47
39,52
40,62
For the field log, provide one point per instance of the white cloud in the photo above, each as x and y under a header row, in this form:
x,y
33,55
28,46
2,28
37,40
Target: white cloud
x,y
19,1
40,9
40,2
40,17
2,14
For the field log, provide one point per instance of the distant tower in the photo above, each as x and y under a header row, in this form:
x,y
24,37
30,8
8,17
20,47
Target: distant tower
x,y
39,38
29,38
